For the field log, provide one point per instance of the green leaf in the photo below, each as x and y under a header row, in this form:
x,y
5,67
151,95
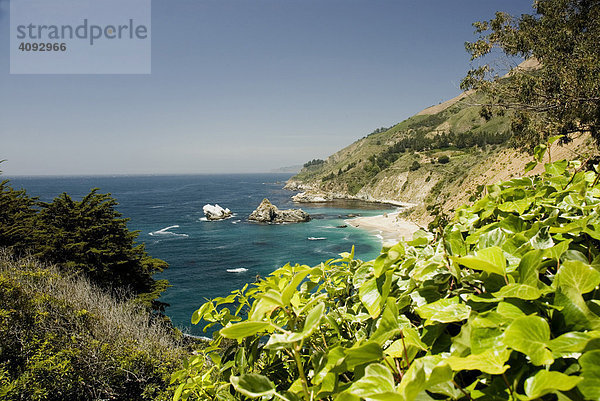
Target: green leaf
x,y
291,288
568,343
529,267
590,371
244,329
378,380
539,151
388,323
411,339
530,166
313,319
545,382
424,372
491,361
386,259
521,291
529,335
371,297
365,353
490,260
556,168
578,275
444,311
253,385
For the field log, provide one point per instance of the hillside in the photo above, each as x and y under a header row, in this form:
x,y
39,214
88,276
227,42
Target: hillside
x,y
442,156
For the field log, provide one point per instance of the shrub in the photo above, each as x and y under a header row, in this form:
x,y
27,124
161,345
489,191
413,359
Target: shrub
x,y
62,338
444,159
501,304
415,166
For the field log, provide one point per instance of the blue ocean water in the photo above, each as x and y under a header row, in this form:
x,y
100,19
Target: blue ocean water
x,y
211,258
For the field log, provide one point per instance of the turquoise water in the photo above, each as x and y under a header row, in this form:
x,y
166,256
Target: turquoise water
x,y
211,258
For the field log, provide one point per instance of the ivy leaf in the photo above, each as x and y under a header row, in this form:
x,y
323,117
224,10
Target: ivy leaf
x,y
378,380
386,259
370,297
530,166
444,311
529,267
313,319
529,335
243,329
556,168
491,361
365,353
578,275
291,288
491,260
521,291
590,371
423,373
568,343
253,385
388,324
545,382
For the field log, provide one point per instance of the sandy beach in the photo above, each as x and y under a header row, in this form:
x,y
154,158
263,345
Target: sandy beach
x,y
390,227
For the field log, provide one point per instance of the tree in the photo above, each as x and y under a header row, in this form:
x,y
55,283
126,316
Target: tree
x,y
16,218
557,90
91,237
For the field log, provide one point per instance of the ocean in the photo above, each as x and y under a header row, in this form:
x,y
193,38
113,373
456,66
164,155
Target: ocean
x,y
208,259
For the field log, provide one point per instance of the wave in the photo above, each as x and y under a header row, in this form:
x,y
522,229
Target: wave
x,y
238,270
165,231
156,207
203,219
316,238
236,221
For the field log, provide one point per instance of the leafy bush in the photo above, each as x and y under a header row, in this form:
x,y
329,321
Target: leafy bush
x,y
444,159
503,304
62,338
415,166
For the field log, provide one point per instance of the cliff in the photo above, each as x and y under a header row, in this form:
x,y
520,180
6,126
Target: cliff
x,y
442,156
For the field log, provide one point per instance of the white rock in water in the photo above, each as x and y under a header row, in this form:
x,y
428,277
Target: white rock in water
x,y
216,212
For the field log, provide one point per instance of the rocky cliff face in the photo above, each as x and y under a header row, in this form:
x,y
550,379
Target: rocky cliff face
x,y
266,212
440,157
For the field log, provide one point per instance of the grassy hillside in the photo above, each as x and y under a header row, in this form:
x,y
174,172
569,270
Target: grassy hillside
x,y
63,338
432,158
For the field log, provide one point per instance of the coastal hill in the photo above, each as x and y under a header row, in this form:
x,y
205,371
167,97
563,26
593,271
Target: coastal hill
x,y
437,159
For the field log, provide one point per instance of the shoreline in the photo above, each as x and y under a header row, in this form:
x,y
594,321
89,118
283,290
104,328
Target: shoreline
x,y
389,227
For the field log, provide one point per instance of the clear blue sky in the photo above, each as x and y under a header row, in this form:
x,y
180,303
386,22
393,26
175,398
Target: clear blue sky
x,y
242,86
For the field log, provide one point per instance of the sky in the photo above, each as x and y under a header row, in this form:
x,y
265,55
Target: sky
x,y
242,86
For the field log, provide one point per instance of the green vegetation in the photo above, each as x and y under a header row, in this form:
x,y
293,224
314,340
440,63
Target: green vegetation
x,y
457,130
501,304
558,96
62,338
86,237
314,162
79,311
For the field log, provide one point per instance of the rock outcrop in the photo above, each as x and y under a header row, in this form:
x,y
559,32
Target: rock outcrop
x,y
309,197
216,212
266,212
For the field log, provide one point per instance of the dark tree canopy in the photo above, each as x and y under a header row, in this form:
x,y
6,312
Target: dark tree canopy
x,y
557,91
85,237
